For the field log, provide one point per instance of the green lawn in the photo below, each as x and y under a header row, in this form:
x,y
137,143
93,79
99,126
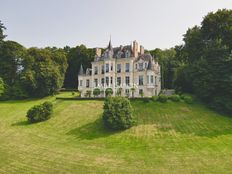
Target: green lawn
x,y
169,138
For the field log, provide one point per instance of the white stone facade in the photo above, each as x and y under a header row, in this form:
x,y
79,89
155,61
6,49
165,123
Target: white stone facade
x,y
127,70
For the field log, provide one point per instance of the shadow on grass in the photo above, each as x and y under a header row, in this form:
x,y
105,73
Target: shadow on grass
x,y
92,130
21,123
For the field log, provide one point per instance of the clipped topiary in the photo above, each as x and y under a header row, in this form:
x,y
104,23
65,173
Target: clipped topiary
x,y
117,113
109,92
40,112
96,92
162,98
174,98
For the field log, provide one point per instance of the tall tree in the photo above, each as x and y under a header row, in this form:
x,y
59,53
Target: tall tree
x,y
169,65
77,56
11,56
2,27
44,71
2,87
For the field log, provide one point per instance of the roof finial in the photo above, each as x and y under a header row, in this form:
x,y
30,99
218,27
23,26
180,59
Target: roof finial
x,y
110,45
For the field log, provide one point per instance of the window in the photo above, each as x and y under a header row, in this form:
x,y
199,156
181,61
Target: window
x,y
118,68
111,80
140,80
118,81
127,80
107,67
103,70
95,70
140,92
127,91
135,66
147,79
102,81
80,82
87,83
152,79
111,68
127,54
140,66
107,81
127,67
95,82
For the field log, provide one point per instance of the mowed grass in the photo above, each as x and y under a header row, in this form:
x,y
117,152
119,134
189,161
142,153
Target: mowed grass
x,y
169,138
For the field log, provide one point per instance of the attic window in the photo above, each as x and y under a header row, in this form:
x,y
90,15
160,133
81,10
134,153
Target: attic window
x,y
127,54
140,66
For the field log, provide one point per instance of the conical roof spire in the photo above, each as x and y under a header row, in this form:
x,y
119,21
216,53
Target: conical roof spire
x,y
149,66
110,45
81,71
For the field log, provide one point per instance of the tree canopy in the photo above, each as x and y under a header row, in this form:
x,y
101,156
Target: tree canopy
x,y
207,52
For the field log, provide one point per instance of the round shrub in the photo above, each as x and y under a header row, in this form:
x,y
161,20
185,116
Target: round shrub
x,y
40,112
174,98
162,98
117,113
187,99
109,92
154,98
96,92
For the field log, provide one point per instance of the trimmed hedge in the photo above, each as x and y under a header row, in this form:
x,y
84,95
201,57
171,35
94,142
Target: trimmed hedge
x,y
162,98
174,98
40,113
187,99
117,113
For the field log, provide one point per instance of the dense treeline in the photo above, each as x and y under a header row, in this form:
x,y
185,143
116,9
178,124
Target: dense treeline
x,y
29,72
202,65
207,57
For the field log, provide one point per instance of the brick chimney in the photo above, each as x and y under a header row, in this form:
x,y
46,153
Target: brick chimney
x,y
141,49
135,48
98,52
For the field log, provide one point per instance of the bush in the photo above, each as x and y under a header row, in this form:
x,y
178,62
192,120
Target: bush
x,y
146,99
40,112
154,98
117,113
96,92
174,98
188,99
88,93
162,98
2,87
109,92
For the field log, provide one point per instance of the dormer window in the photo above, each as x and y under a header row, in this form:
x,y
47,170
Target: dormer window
x,y
145,64
140,66
127,54
119,54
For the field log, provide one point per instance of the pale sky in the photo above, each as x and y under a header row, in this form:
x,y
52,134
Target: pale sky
x,y
153,23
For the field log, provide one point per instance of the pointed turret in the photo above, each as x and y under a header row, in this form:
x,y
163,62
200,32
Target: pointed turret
x,y
110,45
81,71
149,66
